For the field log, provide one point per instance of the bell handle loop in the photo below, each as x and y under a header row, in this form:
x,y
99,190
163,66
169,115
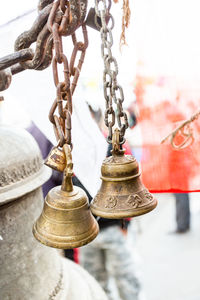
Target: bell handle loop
x,y
116,145
67,184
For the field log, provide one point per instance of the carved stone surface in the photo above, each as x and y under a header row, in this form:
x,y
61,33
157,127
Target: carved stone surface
x,y
20,171
21,165
28,270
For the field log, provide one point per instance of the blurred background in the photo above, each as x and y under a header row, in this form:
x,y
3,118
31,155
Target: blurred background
x,y
159,70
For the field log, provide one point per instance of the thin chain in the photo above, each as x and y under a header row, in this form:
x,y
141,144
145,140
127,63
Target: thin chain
x,y
64,88
113,92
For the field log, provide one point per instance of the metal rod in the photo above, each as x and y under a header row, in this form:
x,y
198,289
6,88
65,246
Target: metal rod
x,y
16,57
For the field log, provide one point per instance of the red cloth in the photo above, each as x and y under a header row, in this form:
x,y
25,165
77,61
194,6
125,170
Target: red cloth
x,y
165,169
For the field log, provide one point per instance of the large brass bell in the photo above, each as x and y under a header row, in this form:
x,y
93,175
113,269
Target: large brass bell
x,y
122,193
66,221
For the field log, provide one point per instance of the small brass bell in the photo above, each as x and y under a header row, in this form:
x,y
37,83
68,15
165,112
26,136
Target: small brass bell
x,y
56,159
122,194
66,221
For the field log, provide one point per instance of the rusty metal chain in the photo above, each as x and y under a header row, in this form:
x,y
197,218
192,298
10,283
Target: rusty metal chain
x,y
38,33
64,88
55,19
113,92
24,57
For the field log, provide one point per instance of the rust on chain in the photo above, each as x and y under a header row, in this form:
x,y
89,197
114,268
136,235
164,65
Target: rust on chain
x,y
59,131
40,47
52,14
60,100
55,19
43,3
78,46
63,4
77,12
40,33
52,111
66,19
25,39
47,54
69,15
5,79
57,43
74,15
66,71
69,101
17,68
68,128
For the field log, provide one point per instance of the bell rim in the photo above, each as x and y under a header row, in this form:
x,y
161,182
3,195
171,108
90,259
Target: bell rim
x,y
128,213
66,245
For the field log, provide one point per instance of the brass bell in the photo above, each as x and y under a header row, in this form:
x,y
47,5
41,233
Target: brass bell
x,y
56,159
66,221
122,194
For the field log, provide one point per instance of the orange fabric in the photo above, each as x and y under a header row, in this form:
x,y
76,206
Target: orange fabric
x,y
165,169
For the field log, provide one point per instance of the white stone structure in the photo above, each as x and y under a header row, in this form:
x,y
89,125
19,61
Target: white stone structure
x,y
28,269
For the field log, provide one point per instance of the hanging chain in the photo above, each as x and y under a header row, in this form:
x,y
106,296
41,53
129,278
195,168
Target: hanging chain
x,y
24,57
113,92
64,88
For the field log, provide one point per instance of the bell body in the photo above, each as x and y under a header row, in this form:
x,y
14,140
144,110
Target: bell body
x,y
66,221
122,194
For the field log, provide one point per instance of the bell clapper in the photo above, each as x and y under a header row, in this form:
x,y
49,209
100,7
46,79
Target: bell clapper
x,y
67,184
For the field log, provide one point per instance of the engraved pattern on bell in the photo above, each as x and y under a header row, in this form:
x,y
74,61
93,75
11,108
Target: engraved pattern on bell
x,y
96,199
119,159
148,195
111,202
122,194
134,200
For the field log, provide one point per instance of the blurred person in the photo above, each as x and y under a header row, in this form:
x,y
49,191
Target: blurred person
x,y
182,212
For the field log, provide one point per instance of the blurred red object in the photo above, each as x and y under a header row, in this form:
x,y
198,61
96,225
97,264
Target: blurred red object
x,y
165,169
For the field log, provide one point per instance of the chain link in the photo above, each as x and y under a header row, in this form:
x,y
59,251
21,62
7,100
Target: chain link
x,y
61,110
113,92
40,34
67,14
55,19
